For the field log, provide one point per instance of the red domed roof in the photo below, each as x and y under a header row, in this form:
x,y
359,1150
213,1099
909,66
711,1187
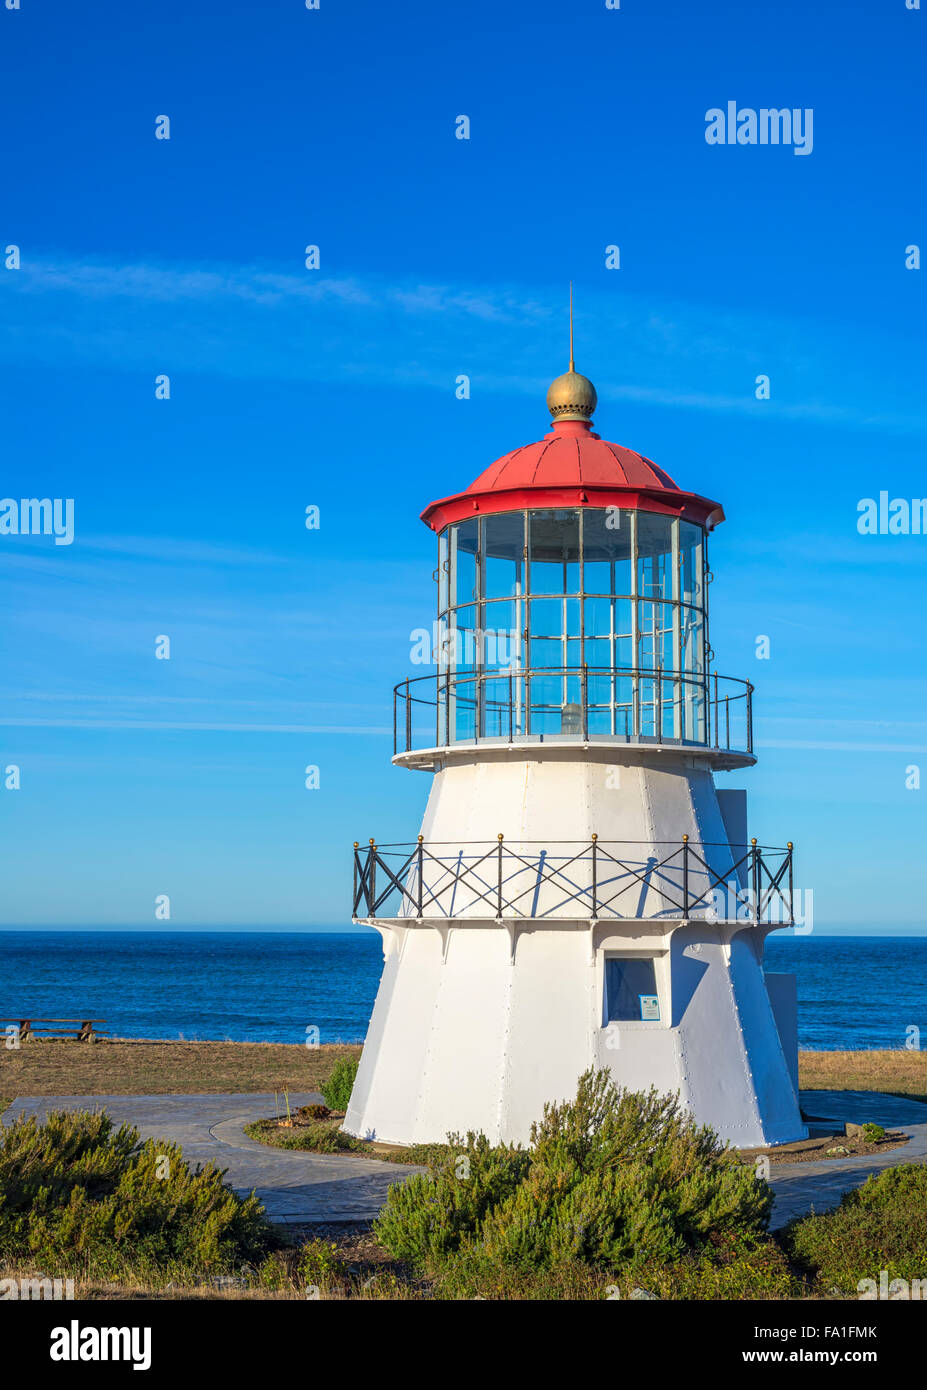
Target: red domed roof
x,y
572,467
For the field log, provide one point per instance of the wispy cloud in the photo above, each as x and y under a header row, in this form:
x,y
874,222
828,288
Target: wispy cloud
x,y
832,746
259,321
166,725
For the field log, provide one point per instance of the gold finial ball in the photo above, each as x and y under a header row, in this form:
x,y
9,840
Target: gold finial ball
x,y
571,397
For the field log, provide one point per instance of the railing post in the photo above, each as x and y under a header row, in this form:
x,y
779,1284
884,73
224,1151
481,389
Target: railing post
x,y
499,881
420,857
395,725
511,708
354,896
755,856
372,879
715,674
595,840
791,890
685,875
727,721
447,710
408,719
749,717
585,697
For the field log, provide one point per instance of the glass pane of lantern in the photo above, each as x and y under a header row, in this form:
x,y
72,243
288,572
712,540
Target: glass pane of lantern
x,y
671,709
501,637
695,709
597,614
463,637
547,651
546,701
598,653
546,617
553,547
691,576
654,555
656,636
463,561
498,703
647,707
691,640
607,551
442,571
503,554
463,706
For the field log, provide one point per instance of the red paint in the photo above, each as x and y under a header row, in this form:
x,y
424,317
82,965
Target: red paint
x,y
572,467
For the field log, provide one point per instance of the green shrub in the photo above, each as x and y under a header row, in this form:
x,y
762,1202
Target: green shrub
x,y
272,1274
313,1112
426,1216
873,1133
726,1270
337,1089
76,1193
881,1225
612,1179
468,1277
730,1268
321,1137
319,1264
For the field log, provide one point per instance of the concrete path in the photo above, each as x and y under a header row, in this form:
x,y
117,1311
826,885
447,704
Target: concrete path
x,y
296,1188
302,1188
799,1187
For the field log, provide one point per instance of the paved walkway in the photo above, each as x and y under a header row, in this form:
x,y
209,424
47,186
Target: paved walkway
x,y
801,1186
296,1188
303,1188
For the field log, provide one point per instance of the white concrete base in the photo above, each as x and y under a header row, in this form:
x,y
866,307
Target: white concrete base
x,y
479,1021
465,1035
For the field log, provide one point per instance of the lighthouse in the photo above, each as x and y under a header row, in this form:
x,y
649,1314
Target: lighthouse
x,y
580,894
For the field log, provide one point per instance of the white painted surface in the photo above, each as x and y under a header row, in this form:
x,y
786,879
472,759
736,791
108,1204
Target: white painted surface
x,y
783,996
468,1034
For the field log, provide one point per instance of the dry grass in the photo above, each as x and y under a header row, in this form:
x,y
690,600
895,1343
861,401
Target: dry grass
x,y
201,1068
164,1068
898,1072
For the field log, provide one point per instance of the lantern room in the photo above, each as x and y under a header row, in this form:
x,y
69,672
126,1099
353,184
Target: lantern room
x,y
572,604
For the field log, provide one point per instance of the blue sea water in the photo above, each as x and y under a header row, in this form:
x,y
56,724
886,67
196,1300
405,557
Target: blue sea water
x,y
853,992
246,986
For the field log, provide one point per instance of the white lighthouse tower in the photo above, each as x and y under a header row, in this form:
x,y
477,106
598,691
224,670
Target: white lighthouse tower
x,y
580,894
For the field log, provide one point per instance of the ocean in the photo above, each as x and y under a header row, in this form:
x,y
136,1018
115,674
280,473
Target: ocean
x,y
853,992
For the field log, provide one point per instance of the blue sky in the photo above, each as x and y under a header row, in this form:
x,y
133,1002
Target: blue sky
x,y
336,387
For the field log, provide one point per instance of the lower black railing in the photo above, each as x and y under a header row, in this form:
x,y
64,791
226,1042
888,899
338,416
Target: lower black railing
x,y
594,878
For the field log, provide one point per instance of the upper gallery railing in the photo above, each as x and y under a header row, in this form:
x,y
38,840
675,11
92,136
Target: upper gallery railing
x,y
593,878
630,704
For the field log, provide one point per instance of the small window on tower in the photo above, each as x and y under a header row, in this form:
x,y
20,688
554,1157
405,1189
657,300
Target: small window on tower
x,y
631,990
